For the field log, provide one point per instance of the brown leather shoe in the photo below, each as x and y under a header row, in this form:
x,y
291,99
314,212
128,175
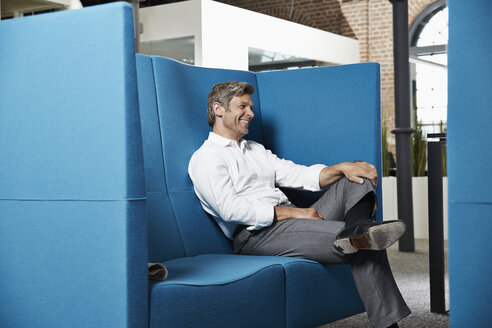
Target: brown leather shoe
x,y
371,235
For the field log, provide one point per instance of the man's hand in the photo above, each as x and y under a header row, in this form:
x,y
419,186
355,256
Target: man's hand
x,y
284,213
357,170
354,171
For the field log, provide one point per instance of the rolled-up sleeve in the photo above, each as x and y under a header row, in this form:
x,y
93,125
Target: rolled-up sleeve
x,y
291,175
213,186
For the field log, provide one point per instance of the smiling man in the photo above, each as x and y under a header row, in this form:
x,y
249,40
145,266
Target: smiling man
x,y
238,180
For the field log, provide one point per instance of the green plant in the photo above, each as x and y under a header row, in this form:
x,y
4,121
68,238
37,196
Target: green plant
x,y
384,145
419,149
442,129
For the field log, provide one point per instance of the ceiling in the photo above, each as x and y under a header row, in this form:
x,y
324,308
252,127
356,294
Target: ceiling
x,y
143,3
9,8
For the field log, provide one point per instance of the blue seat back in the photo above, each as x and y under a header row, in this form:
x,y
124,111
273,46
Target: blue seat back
x,y
302,115
72,190
178,226
323,115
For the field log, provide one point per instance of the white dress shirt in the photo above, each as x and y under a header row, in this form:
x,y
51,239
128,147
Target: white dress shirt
x,y
238,184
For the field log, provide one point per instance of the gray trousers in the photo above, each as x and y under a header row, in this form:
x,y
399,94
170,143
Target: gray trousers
x,y
313,239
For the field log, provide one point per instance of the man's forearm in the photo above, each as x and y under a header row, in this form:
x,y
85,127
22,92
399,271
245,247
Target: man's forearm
x,y
330,175
354,171
285,213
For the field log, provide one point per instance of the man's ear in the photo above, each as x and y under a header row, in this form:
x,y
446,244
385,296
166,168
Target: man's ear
x,y
218,109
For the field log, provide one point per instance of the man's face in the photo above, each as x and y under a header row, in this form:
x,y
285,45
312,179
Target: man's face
x,y
237,119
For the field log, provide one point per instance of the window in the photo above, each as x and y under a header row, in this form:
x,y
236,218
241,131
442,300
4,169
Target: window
x,y
428,57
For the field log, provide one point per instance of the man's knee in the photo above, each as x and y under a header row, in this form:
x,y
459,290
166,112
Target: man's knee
x,y
354,191
367,184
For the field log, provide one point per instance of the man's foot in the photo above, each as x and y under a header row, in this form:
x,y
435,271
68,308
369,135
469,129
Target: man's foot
x,y
371,235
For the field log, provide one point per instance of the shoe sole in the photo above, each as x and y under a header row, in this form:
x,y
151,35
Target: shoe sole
x,y
375,238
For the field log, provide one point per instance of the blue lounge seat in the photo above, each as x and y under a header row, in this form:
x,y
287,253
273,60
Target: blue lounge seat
x,y
87,191
295,113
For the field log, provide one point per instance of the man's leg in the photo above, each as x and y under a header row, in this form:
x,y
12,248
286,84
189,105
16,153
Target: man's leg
x,y
343,201
304,238
377,288
356,204
313,239
301,238
361,212
371,270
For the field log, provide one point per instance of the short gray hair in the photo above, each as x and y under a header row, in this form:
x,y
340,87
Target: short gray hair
x,y
223,93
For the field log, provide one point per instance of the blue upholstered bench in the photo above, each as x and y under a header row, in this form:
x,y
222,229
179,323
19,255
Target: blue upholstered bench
x,y
87,191
300,115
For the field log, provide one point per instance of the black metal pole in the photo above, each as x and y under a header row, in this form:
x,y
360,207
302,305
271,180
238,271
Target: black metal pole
x,y
436,230
136,23
402,130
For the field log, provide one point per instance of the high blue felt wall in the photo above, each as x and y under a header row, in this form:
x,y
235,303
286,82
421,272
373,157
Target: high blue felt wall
x,y
469,162
53,66
324,115
72,189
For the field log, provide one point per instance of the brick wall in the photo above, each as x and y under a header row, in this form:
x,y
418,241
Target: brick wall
x,y
369,21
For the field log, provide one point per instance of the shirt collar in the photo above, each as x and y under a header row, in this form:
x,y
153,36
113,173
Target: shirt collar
x,y
224,142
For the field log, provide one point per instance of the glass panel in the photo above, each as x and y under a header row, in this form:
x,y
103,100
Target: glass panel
x,y
435,31
181,49
259,56
432,76
261,60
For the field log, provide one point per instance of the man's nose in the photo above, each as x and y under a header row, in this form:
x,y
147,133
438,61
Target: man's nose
x,y
250,112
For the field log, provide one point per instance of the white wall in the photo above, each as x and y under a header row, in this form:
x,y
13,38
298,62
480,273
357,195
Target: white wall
x,y
420,204
224,33
175,20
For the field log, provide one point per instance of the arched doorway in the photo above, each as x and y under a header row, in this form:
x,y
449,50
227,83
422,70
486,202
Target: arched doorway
x,y
428,37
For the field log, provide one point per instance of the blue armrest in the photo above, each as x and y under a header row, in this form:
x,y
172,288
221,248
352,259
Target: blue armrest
x,y
73,246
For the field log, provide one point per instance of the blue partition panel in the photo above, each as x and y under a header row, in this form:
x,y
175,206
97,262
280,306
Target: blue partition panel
x,y
72,264
68,102
469,161
72,192
470,99
470,267
311,116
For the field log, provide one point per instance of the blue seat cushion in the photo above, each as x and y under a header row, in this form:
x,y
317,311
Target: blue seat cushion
x,y
318,294
224,290
219,269
220,290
